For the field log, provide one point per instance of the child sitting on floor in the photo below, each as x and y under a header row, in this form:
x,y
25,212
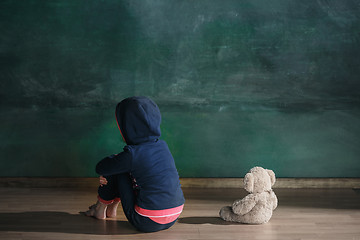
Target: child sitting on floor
x,y
143,177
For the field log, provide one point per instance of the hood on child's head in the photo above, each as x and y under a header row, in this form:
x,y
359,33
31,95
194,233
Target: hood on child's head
x,y
138,119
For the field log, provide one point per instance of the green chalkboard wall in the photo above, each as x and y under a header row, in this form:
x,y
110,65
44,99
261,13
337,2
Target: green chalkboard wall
x,y
240,83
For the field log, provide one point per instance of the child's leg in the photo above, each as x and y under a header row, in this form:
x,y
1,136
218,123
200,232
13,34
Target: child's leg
x,y
108,200
128,197
97,210
109,192
111,210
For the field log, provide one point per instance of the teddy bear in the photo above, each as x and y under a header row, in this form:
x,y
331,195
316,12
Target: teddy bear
x,y
257,207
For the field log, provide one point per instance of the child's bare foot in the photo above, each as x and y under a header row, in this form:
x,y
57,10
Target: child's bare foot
x,y
97,210
111,210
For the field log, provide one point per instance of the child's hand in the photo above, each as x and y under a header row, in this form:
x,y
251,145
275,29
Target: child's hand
x,y
103,181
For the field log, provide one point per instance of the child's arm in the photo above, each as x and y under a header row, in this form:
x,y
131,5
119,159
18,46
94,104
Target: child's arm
x,y
114,164
103,181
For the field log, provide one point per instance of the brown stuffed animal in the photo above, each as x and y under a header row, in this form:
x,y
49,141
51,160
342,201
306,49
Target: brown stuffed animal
x,y
257,207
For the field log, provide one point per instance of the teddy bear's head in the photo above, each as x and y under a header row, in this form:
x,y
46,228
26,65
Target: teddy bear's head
x,y
258,180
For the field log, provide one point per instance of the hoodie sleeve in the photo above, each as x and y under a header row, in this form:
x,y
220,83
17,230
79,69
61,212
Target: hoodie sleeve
x,y
115,164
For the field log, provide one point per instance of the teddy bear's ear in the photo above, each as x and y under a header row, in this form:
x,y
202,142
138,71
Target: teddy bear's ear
x,y
272,176
249,182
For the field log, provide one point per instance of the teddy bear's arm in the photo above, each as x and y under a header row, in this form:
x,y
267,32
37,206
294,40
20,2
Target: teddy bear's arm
x,y
274,200
244,205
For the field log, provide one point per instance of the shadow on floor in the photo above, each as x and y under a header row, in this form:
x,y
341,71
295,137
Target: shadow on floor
x,y
62,222
205,220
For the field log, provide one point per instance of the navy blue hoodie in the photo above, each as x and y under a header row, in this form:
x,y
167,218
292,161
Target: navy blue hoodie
x,y
145,157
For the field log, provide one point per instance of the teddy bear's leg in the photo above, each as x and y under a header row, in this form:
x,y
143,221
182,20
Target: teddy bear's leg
x,y
227,214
